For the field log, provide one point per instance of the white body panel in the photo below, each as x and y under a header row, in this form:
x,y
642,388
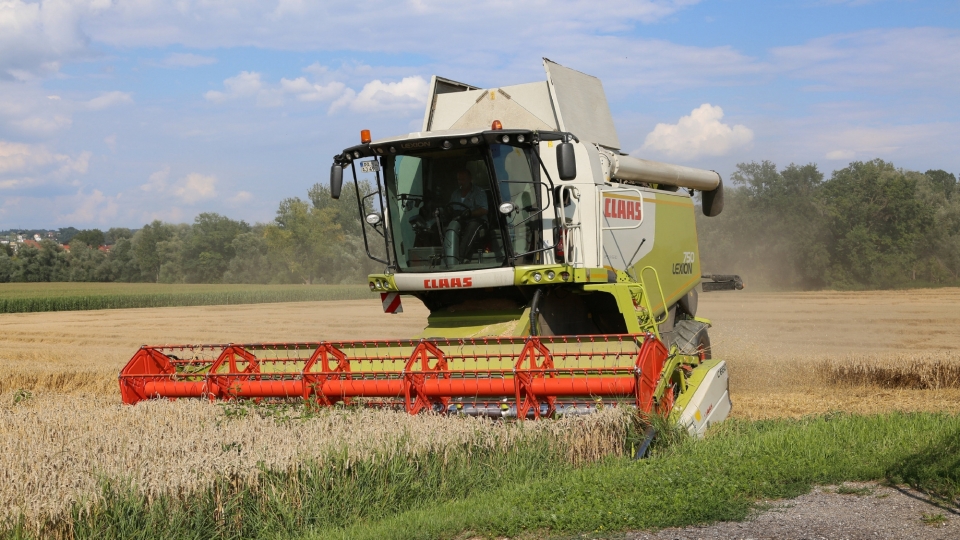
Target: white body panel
x,y
624,239
710,403
469,279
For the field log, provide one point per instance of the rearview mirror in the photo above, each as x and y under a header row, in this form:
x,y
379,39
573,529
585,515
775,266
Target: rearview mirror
x,y
566,162
336,180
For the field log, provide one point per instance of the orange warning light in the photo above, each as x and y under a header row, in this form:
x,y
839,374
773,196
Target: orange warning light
x,y
364,136
496,125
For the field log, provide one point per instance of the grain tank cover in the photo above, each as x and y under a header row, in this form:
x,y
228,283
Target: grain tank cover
x,y
581,105
567,101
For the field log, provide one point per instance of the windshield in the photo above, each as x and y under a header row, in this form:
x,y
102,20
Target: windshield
x,y
443,211
443,207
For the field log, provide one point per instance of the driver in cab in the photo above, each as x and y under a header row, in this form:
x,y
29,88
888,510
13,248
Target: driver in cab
x,y
459,237
469,195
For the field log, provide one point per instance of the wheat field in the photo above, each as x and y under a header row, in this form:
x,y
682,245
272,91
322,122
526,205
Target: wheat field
x,y
55,453
64,430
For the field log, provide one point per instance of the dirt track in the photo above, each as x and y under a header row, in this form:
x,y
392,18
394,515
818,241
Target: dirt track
x,y
872,513
773,342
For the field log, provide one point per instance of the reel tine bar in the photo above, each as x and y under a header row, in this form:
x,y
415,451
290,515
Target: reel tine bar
x,y
539,375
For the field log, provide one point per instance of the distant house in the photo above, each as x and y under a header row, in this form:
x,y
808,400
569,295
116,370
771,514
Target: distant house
x,y
37,238
105,249
32,243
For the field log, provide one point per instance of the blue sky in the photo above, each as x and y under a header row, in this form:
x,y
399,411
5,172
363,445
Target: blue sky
x,y
115,113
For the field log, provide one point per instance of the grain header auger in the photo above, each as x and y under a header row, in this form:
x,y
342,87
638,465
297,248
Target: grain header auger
x,y
560,274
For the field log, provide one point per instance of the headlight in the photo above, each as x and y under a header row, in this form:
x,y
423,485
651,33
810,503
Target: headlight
x,y
550,275
537,277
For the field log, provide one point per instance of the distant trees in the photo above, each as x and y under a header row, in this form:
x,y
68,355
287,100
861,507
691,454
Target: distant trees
x,y
870,225
91,237
316,240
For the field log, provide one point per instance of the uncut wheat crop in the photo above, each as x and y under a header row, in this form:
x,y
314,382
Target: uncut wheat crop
x,y
56,450
919,371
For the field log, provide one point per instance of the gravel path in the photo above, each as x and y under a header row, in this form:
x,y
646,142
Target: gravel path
x,y
872,512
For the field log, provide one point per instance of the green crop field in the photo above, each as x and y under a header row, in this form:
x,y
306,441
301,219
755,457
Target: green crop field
x,y
34,297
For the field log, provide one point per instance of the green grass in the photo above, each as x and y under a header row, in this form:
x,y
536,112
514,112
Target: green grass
x,y
718,479
35,297
858,491
530,491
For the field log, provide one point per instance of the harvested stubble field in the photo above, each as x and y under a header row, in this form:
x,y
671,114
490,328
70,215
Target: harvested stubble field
x,y
64,435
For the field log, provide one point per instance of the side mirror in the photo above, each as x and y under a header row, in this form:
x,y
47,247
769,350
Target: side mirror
x,y
336,180
566,162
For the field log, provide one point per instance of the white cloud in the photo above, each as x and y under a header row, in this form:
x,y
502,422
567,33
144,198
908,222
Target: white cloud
x,y
195,187
93,208
17,158
187,60
700,134
307,91
247,84
376,96
241,197
35,37
23,165
109,99
157,182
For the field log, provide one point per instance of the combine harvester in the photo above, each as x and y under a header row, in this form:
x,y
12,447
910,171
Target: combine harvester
x,y
560,273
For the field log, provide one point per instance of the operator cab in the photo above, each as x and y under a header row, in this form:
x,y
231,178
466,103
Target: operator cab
x,y
462,202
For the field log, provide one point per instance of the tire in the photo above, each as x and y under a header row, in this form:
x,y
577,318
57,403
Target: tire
x,y
691,338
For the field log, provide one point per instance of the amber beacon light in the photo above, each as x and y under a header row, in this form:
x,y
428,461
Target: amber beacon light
x,y
364,136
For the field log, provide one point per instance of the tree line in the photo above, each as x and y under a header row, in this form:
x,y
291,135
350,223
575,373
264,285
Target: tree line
x,y
870,225
313,240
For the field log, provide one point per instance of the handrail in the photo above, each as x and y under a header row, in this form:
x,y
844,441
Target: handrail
x,y
648,304
576,222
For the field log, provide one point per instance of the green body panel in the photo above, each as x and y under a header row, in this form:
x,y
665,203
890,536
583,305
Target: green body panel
x,y
626,295
470,324
675,256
